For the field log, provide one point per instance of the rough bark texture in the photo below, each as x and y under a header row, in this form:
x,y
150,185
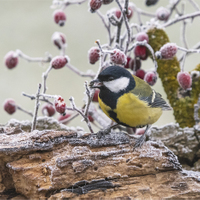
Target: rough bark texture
x,y
67,163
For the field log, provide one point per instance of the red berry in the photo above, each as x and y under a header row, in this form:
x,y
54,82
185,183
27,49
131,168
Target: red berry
x,y
141,52
117,13
60,105
48,110
129,59
96,94
140,73
93,55
167,51
10,106
11,60
90,118
61,118
150,78
142,36
162,14
118,57
130,10
58,39
184,80
107,1
59,62
95,5
59,17
135,64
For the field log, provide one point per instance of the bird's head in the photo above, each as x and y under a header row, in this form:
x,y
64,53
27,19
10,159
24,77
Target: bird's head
x,y
114,78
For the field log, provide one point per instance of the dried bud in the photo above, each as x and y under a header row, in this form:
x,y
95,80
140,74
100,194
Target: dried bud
x,y
184,80
11,60
150,78
167,51
195,75
60,105
118,57
95,5
114,11
130,10
141,52
129,59
162,14
93,55
151,2
96,94
48,110
58,39
107,1
91,119
10,106
142,36
59,62
59,17
140,73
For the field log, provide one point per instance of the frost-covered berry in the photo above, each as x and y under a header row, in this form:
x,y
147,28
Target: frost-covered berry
x,y
141,52
129,59
11,60
96,94
140,73
150,78
95,5
162,13
9,106
142,36
60,105
184,80
130,10
58,39
118,57
59,62
48,110
107,1
135,64
93,55
167,51
151,2
59,17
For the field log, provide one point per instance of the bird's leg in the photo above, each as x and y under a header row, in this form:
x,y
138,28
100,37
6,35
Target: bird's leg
x,y
105,131
139,141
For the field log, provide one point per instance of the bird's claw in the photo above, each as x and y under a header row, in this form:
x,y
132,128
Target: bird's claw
x,y
104,132
139,141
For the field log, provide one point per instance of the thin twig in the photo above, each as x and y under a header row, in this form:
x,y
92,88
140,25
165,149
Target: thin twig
x,y
25,111
173,7
195,5
187,16
189,50
37,104
65,121
45,75
196,111
89,99
75,70
32,97
31,59
81,113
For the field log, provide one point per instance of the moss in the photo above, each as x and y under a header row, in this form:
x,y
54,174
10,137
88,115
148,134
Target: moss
x,y
167,70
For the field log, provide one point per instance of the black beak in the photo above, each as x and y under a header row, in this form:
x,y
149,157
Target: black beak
x,y
95,83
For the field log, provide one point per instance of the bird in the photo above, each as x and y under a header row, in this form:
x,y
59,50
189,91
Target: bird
x,y
128,100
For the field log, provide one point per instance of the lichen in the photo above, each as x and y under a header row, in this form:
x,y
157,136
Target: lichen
x,y
183,105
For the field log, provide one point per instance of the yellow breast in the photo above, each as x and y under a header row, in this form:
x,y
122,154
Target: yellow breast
x,y
132,111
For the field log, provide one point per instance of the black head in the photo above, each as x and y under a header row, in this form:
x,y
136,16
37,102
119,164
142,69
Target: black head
x,y
113,72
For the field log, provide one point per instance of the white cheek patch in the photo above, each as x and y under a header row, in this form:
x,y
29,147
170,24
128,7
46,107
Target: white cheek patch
x,y
117,85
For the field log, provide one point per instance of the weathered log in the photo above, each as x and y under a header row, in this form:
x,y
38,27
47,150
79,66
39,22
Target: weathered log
x,y
68,163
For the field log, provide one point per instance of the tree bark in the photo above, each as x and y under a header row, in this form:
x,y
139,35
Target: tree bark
x,y
57,162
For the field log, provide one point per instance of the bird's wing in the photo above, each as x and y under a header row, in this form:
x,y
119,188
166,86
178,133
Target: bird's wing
x,y
146,93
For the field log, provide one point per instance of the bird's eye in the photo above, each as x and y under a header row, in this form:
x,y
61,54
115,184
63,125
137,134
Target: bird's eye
x,y
110,78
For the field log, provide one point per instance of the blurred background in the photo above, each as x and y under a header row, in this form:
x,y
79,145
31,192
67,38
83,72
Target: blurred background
x,y
28,25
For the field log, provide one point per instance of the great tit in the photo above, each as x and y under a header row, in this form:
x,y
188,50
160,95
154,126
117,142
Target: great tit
x,y
128,100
